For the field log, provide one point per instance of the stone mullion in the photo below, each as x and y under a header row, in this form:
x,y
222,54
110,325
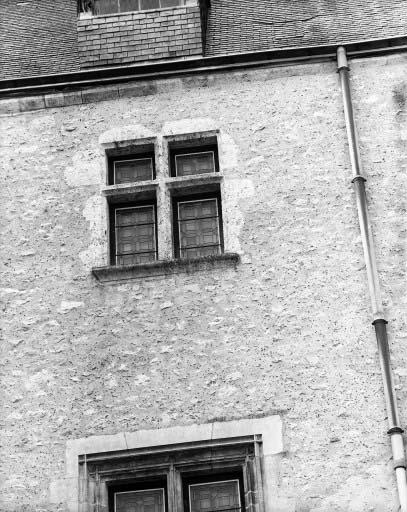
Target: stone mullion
x,y
164,209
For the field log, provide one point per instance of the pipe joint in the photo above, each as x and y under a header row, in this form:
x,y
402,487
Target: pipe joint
x,y
395,430
358,178
399,463
380,321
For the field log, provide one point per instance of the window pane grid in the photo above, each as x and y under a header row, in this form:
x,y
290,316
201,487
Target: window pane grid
x,y
133,170
115,6
135,241
215,496
195,163
198,228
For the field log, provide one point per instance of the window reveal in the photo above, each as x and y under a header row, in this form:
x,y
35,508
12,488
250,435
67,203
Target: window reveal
x,y
134,234
198,228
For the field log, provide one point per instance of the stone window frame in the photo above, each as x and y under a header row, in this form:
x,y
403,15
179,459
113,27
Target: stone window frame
x,y
161,190
118,458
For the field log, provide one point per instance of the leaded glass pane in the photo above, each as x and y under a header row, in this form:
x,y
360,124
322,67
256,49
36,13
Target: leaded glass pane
x,y
129,5
106,6
194,209
171,3
135,235
149,4
129,171
140,501
195,163
198,223
215,496
137,215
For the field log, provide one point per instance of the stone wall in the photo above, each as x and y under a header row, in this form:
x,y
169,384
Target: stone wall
x,y
140,36
287,332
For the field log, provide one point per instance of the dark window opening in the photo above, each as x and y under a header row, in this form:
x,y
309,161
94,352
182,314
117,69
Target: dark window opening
x,y
149,496
214,493
133,233
197,226
131,168
194,160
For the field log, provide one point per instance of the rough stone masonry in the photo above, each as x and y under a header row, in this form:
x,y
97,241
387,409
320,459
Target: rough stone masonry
x,y
286,332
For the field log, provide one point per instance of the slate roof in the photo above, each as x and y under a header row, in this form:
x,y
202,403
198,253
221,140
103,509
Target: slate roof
x,y
247,25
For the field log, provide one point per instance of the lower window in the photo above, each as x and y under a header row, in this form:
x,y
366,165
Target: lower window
x,y
197,226
212,476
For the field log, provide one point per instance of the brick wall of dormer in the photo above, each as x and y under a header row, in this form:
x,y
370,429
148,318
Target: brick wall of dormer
x,y
116,39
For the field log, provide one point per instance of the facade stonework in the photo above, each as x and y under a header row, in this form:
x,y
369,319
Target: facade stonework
x,y
286,332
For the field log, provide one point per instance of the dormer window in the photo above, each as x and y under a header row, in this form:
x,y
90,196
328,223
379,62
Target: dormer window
x,y
101,7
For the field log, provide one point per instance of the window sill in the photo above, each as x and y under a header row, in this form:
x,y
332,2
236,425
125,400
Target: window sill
x,y
113,273
129,192
198,182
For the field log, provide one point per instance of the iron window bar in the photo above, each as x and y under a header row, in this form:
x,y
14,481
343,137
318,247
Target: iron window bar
x,y
224,509
199,246
119,226
199,218
137,252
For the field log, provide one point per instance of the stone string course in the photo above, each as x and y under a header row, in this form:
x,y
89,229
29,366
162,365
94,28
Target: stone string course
x,y
139,36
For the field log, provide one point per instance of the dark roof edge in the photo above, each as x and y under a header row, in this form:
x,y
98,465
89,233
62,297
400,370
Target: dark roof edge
x,y
166,69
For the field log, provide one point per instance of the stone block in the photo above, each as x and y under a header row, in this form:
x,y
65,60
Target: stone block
x,y
99,93
9,106
137,89
54,100
31,103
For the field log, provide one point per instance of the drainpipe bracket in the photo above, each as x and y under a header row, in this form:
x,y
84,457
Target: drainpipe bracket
x,y
341,58
395,430
359,177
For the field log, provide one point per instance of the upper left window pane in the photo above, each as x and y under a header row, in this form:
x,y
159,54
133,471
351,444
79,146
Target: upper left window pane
x,y
132,170
106,7
131,167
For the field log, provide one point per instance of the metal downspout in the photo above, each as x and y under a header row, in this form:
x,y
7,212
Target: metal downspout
x,y
380,324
